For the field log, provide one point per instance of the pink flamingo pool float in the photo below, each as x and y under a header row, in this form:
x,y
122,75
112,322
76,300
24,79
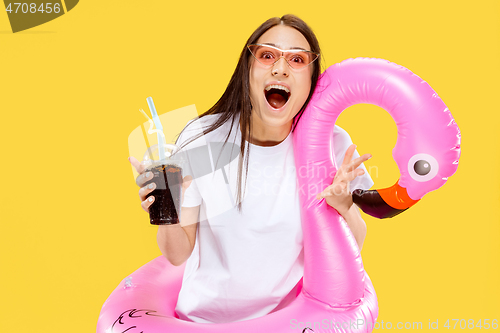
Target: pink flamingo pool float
x,y
336,294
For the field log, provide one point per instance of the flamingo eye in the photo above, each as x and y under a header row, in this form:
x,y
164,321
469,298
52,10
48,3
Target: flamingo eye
x,y
422,167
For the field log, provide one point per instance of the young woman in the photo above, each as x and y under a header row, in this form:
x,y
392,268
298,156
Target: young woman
x,y
240,228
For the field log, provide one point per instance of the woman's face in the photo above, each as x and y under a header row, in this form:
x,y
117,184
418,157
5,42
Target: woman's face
x,y
272,109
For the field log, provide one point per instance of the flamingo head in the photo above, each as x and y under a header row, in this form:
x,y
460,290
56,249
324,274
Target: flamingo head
x,y
426,156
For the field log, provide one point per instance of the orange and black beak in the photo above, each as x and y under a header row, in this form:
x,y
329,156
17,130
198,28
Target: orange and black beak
x,y
384,203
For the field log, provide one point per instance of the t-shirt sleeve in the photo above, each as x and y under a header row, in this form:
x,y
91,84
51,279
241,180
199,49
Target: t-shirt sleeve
x,y
192,196
341,141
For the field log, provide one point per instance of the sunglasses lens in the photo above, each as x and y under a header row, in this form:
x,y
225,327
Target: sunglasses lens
x,y
268,56
298,60
265,55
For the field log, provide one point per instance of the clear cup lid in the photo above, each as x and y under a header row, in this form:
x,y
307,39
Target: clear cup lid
x,y
152,155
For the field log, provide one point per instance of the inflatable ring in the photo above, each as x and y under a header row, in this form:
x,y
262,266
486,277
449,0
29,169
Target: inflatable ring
x,y
336,294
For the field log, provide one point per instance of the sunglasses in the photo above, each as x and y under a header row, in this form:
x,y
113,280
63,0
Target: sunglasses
x,y
268,55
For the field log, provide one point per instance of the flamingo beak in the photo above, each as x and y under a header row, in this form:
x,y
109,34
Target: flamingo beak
x,y
384,203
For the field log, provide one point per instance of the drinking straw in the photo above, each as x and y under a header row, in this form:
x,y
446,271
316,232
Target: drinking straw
x,y
159,128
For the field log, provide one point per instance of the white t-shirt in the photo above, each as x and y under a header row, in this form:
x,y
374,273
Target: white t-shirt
x,y
243,265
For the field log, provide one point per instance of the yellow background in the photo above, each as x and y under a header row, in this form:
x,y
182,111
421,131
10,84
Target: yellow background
x,y
70,91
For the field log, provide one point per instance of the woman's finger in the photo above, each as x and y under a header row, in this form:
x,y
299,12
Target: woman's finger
x,y
136,164
144,191
348,155
363,158
140,168
148,202
186,181
335,189
143,178
322,194
325,192
352,175
357,162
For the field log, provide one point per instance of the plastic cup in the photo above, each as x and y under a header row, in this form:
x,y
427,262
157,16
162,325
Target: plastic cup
x,y
167,175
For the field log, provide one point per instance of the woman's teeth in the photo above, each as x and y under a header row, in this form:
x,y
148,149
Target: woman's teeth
x,y
277,86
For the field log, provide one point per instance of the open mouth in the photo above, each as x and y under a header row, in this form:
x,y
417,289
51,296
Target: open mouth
x,y
277,95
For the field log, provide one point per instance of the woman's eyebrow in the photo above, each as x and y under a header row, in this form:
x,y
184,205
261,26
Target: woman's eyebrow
x,y
292,48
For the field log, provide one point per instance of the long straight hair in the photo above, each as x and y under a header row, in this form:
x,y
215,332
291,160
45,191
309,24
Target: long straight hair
x,y
236,98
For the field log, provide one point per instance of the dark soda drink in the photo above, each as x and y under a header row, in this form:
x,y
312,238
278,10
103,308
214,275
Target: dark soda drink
x,y
168,180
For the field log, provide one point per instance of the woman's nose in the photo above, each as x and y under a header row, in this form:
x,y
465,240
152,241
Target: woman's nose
x,y
280,67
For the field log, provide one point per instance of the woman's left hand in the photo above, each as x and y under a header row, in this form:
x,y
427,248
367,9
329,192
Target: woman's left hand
x,y
338,195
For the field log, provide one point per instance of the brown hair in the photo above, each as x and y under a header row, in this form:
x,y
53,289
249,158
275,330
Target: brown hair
x,y
236,98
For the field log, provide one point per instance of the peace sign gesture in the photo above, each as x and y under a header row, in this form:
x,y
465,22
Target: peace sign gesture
x,y
338,195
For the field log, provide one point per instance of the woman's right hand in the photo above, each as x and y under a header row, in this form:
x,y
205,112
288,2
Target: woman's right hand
x,y
144,177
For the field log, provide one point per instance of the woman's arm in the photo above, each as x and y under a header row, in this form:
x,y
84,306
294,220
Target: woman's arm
x,y
176,242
